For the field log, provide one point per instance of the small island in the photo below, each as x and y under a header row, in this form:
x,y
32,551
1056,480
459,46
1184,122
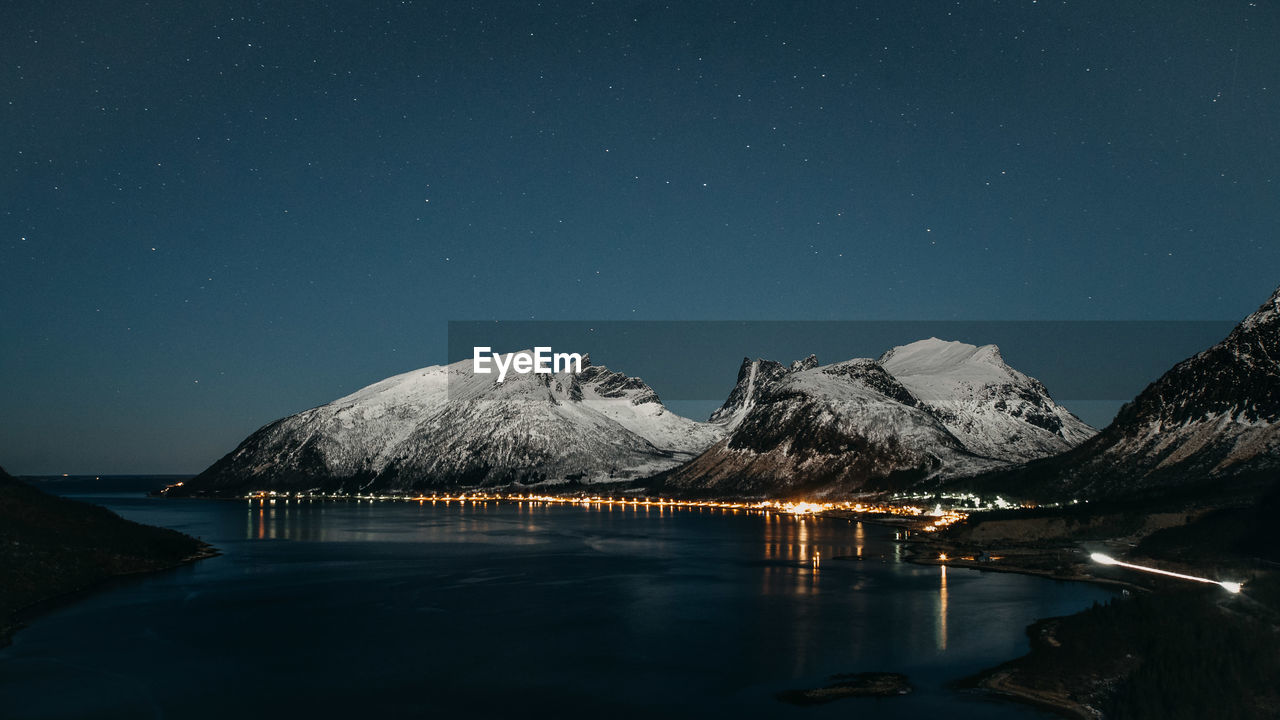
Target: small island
x,y
847,685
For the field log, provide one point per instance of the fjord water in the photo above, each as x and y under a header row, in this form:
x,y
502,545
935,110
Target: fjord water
x,y
392,609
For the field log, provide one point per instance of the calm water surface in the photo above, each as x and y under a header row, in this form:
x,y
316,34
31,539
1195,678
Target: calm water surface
x,y
332,609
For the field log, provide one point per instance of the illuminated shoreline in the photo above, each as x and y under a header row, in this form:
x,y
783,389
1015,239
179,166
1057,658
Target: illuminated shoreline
x,y
930,519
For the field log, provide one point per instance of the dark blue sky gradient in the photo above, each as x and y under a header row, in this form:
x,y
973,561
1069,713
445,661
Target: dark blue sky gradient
x,y
285,202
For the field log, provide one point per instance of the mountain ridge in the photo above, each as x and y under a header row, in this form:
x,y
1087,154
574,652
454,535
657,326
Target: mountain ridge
x,y
444,427
1209,426
855,426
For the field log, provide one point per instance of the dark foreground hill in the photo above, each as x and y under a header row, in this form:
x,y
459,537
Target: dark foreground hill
x,y
52,546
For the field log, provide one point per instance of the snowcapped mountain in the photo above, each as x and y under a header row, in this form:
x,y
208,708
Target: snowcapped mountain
x,y
994,410
923,411
444,427
1210,426
754,377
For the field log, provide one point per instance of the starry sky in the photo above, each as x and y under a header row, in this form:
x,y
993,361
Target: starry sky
x,y
215,214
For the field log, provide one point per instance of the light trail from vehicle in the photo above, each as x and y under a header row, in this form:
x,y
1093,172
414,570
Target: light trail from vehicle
x,y
1229,586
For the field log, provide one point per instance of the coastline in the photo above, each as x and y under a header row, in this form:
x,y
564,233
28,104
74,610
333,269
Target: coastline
x,y
54,549
22,617
1022,679
1114,656
997,682
1000,680
1082,577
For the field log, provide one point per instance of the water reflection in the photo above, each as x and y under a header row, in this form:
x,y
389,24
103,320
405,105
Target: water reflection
x,y
661,615
426,520
792,557
787,552
942,611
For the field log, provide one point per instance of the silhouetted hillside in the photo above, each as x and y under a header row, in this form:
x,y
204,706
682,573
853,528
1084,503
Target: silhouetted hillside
x,y
51,546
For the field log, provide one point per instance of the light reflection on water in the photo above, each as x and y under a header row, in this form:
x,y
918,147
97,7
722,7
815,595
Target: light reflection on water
x,y
490,609
942,610
791,547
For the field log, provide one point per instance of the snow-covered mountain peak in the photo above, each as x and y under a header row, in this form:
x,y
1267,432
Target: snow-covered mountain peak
x,y
754,378
806,364
922,411
833,429
934,357
1268,313
995,410
423,386
860,377
1210,426
448,426
608,384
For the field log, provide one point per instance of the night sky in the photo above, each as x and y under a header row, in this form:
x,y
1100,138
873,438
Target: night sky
x,y
216,214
